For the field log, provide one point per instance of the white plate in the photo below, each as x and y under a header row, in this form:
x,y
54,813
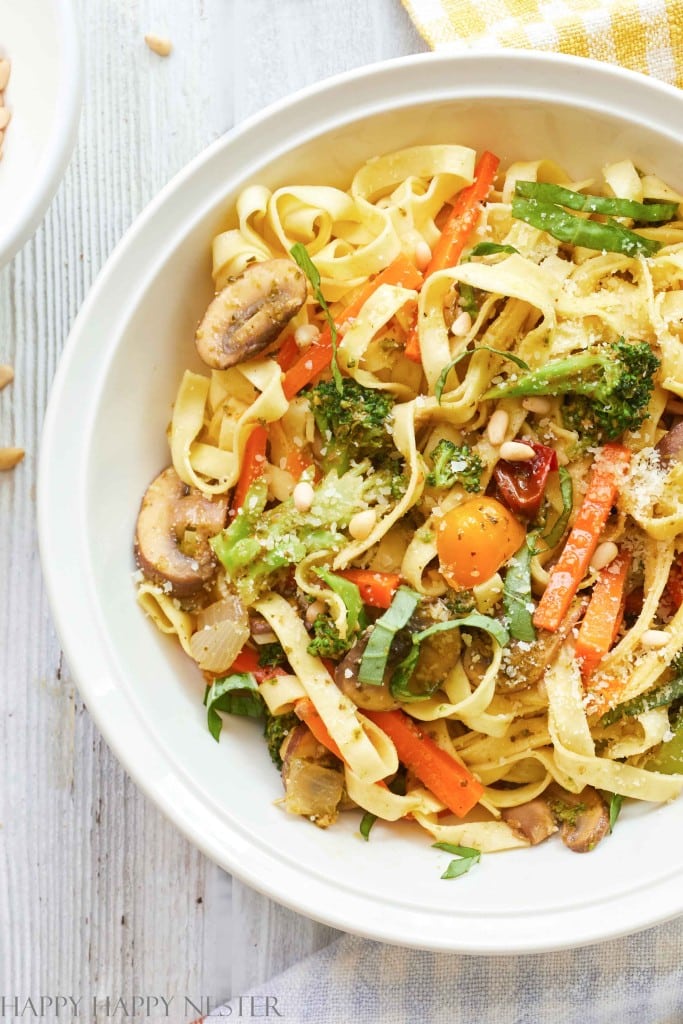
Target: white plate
x,y
44,95
104,440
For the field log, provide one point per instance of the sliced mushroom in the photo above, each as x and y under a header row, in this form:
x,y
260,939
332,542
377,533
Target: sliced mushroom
x,y
523,663
670,446
371,698
251,311
532,821
583,817
172,515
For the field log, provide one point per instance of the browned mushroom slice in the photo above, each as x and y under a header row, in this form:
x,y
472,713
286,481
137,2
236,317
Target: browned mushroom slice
x,y
583,817
251,311
670,446
532,821
370,698
172,515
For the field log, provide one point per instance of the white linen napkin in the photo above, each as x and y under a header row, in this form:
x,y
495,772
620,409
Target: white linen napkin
x,y
634,980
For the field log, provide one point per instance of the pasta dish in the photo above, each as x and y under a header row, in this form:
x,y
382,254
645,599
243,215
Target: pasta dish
x,y
424,513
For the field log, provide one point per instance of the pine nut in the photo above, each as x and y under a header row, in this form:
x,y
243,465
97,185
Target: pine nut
x,y
303,496
306,334
6,376
462,324
362,524
314,609
423,255
603,555
157,45
5,68
515,451
9,457
497,427
655,638
541,406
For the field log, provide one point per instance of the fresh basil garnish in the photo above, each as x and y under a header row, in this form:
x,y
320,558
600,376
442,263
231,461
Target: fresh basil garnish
x,y
236,694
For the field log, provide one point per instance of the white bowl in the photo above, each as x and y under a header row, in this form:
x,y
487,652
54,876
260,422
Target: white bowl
x,y
104,440
44,95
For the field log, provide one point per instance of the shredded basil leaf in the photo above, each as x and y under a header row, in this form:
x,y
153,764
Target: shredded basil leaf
x,y
374,662
517,600
350,595
406,667
236,694
366,823
615,802
555,534
300,256
467,858
489,248
443,376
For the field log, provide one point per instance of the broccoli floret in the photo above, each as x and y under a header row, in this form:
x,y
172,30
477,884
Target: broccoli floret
x,y
276,728
455,464
271,655
607,391
261,542
326,642
354,423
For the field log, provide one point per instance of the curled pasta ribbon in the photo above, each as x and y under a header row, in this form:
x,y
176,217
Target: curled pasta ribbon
x,y
574,750
164,612
281,693
650,729
365,749
208,467
485,836
309,583
379,309
467,705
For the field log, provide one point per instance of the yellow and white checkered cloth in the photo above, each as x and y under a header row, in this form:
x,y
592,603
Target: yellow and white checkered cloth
x,y
643,35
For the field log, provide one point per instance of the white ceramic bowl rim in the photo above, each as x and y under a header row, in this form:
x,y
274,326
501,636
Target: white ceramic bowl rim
x,y
55,156
74,601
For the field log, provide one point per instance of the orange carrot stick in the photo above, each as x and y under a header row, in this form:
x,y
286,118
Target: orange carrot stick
x,y
570,568
603,616
317,357
457,229
253,464
376,588
445,777
305,709
288,353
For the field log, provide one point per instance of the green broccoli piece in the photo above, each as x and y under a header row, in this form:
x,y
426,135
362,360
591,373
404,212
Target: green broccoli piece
x,y
261,542
354,423
276,729
271,655
455,464
607,390
326,642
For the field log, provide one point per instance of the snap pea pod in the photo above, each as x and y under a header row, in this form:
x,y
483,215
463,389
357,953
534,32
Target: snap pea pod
x,y
590,234
643,212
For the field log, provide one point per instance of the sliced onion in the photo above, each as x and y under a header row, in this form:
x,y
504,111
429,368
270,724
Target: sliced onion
x,y
312,790
223,630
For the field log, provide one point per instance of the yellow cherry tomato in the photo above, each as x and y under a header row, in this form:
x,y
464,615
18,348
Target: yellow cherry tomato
x,y
474,539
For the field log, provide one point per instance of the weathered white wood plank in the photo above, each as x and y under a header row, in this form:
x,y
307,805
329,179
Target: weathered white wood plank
x,y
99,895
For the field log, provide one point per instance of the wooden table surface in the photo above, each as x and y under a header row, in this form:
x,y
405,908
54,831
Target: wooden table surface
x,y
100,897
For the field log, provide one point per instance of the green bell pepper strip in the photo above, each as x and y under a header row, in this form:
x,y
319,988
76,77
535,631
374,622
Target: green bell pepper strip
x,y
556,532
590,234
643,212
664,694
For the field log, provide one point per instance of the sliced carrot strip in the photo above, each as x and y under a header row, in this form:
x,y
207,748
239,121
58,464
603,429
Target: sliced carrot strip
x,y
603,616
305,710
445,777
253,464
457,229
570,568
317,357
